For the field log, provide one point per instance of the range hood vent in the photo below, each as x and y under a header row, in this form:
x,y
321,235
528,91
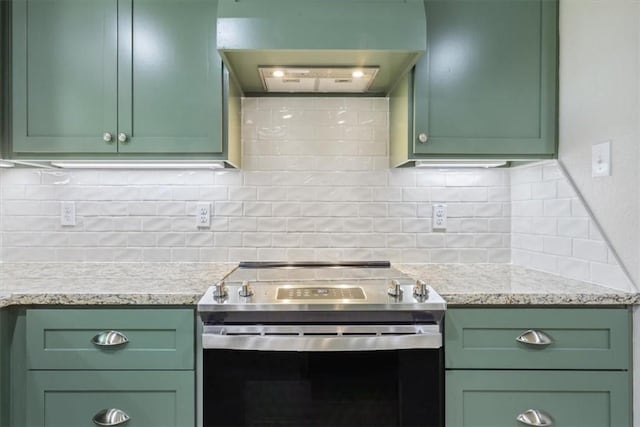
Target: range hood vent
x,y
317,80
335,37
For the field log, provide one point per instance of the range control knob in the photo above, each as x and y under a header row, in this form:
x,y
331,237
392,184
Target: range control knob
x,y
395,290
245,290
420,290
220,291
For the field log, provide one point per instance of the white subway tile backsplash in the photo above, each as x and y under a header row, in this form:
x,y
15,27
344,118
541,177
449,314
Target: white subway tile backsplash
x,y
544,190
227,239
547,226
243,224
557,207
315,184
499,255
416,225
590,250
430,240
557,245
445,255
562,238
473,255
573,227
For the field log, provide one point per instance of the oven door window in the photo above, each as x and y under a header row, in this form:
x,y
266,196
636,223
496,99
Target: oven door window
x,y
376,388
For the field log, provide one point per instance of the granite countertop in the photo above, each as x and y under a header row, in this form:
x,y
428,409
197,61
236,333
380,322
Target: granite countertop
x,y
108,283
184,284
504,284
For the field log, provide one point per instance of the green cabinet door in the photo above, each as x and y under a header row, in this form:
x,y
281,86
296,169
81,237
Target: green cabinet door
x,y
156,339
569,398
580,338
169,77
72,399
64,76
486,86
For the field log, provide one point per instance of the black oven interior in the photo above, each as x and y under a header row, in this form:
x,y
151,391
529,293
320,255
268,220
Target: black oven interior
x,y
330,389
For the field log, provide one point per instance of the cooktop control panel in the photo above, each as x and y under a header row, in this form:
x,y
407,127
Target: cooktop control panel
x,y
320,293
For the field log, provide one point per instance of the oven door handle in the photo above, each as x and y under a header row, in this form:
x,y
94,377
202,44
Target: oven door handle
x,y
424,338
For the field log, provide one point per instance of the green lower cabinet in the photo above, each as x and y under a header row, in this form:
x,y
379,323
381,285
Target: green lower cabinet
x,y
74,399
566,398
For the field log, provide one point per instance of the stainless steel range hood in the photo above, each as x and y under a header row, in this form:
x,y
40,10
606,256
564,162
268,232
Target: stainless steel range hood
x,y
320,46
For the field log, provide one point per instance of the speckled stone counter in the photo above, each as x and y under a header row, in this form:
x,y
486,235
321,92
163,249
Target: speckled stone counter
x,y
108,283
503,284
184,284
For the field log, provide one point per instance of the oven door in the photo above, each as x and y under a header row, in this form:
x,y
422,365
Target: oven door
x,y
322,379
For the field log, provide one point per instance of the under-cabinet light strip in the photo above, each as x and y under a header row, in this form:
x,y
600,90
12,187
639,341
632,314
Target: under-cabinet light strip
x,y
137,165
459,164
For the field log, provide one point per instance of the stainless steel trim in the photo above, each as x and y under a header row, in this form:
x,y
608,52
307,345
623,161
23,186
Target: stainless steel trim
x,y
321,337
535,338
110,339
110,417
535,417
264,299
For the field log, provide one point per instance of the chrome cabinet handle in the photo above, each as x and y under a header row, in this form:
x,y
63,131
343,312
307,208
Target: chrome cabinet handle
x,y
110,417
534,417
423,137
107,137
533,337
122,137
110,339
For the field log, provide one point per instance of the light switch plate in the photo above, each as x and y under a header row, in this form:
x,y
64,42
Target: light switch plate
x,y
601,159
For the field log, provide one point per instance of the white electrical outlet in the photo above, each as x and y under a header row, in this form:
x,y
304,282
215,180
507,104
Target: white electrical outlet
x,y
203,214
439,217
601,159
68,213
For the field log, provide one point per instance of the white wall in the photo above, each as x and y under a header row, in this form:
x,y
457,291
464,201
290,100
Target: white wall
x,y
600,101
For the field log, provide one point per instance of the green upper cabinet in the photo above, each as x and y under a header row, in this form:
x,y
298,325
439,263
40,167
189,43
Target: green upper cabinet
x,y
116,78
487,85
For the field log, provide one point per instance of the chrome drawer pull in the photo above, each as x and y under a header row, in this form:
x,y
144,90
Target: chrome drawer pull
x,y
110,417
533,337
533,417
110,339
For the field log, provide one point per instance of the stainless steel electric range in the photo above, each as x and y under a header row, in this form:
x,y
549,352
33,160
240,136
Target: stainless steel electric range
x,y
321,344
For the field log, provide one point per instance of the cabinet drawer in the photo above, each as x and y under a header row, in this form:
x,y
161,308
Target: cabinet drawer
x,y
570,399
72,399
580,338
157,339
